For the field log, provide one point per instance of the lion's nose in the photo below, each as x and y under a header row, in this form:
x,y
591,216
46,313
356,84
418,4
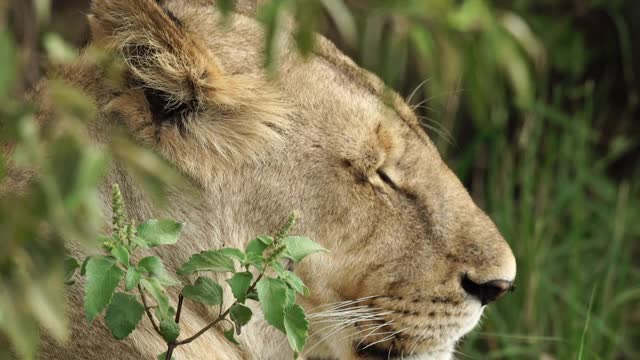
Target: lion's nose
x,y
488,291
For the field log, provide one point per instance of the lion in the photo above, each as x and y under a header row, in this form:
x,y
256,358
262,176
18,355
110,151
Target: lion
x,y
412,261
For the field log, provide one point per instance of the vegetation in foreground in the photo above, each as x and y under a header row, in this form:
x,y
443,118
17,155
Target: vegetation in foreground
x,y
273,286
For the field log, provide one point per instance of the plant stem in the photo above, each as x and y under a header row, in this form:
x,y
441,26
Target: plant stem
x,y
222,315
179,310
218,319
173,345
148,311
204,329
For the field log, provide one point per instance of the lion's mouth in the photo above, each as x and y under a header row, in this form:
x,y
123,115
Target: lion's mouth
x,y
383,352
390,351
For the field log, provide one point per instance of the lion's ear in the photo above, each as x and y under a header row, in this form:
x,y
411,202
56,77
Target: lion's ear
x,y
171,63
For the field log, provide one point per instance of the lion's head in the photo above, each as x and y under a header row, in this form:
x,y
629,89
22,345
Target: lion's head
x,y
412,260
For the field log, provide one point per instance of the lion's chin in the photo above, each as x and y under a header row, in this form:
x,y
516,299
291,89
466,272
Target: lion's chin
x,y
443,355
389,354
439,346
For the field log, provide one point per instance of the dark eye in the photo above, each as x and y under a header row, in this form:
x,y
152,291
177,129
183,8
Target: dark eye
x,y
386,179
162,112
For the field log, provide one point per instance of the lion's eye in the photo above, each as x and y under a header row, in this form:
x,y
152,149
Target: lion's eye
x,y
387,180
163,113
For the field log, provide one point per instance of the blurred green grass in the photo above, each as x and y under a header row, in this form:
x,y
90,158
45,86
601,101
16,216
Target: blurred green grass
x,y
575,233
534,104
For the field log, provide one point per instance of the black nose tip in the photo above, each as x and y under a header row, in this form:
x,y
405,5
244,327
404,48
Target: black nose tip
x,y
486,292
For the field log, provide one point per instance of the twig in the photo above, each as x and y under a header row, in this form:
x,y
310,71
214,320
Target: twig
x,y
219,318
173,345
204,329
180,300
148,311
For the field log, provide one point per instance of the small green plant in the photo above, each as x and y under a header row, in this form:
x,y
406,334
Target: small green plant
x,y
147,279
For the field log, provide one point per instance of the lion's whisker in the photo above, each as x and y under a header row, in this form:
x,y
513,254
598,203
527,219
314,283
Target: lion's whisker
x,y
369,334
346,315
334,330
342,304
354,320
437,128
463,354
330,313
388,337
344,319
369,328
340,322
356,313
365,329
408,100
418,340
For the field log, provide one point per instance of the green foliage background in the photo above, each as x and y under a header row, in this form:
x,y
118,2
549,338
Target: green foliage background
x,y
533,103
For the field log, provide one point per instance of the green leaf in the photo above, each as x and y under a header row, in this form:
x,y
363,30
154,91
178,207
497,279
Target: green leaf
x,y
83,267
168,280
295,282
151,265
138,242
103,276
265,239
298,247
240,314
171,313
154,267
90,170
160,232
71,265
170,330
273,297
58,50
123,315
255,260
121,253
296,326
74,102
18,327
163,356
103,239
225,6
240,283
211,260
157,291
233,253
132,278
230,336
45,298
205,291
290,297
255,249
279,268
305,26
258,245
252,295
269,14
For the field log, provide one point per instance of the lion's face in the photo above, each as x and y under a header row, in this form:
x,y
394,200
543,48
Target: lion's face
x,y
412,260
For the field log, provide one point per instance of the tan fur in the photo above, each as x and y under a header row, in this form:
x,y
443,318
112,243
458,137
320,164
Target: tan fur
x,y
314,140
